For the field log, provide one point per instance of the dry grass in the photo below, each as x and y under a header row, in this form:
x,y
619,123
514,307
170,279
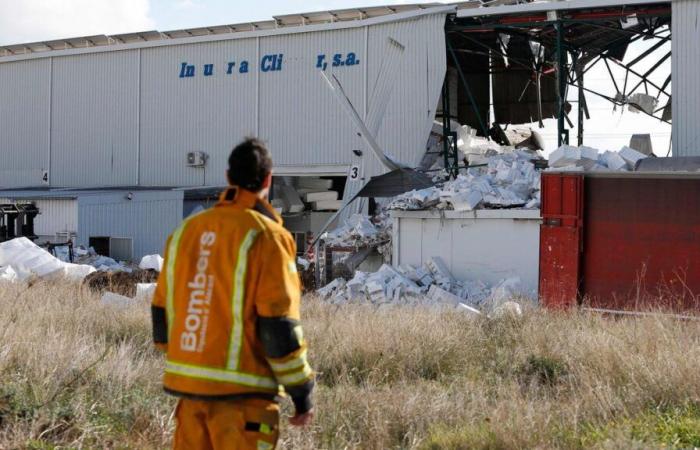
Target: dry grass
x,y
76,374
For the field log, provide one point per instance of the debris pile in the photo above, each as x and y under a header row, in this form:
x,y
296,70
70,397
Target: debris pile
x,y
508,180
432,284
584,159
22,260
359,231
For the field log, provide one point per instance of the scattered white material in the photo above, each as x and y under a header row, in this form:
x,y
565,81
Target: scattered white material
x,y
507,309
145,291
580,159
358,231
613,161
28,259
320,196
152,262
508,180
8,274
428,285
631,156
468,309
567,155
116,300
439,295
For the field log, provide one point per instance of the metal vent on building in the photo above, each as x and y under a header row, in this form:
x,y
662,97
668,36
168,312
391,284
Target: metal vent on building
x,y
197,159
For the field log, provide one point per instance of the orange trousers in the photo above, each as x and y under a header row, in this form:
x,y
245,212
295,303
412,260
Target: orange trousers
x,y
226,425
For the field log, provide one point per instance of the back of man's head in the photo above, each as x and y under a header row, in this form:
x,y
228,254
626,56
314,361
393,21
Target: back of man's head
x,y
249,164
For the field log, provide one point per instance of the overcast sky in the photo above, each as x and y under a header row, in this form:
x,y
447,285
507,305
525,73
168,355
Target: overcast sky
x,y
38,20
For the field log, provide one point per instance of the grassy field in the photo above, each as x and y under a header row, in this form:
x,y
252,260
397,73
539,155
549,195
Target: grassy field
x,y
76,374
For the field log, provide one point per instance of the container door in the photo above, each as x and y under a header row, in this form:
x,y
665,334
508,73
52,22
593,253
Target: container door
x,y
561,239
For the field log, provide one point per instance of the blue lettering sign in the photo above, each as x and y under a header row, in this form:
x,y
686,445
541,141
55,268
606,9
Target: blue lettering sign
x,y
186,70
271,63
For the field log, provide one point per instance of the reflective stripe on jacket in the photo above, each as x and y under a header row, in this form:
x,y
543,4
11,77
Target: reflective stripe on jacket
x,y
224,269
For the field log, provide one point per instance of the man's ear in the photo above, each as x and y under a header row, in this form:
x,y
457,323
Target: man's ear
x,y
228,178
267,181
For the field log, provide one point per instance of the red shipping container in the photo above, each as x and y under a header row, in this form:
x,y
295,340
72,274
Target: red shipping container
x,y
560,239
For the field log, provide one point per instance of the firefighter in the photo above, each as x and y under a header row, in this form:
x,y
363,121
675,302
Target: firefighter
x,y
226,314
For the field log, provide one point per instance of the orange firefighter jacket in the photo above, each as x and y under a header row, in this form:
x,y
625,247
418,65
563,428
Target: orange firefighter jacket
x,y
226,270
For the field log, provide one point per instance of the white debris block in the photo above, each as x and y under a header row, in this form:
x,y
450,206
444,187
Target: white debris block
x,y
318,184
507,309
589,157
375,291
8,274
440,295
568,155
320,196
291,199
631,156
466,201
468,309
331,288
424,277
613,161
77,272
151,262
27,259
145,291
564,156
116,300
326,205
440,272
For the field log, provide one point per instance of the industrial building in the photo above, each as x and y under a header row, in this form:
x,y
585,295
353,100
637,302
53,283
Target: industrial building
x,y
91,121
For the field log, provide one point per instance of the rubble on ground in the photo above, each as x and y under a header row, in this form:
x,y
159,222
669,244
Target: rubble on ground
x,y
431,284
22,260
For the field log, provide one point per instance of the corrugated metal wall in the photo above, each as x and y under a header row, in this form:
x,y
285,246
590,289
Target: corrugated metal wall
x,y
148,218
56,215
25,98
202,113
299,116
126,118
94,129
685,68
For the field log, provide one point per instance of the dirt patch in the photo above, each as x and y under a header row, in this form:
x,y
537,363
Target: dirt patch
x,y
123,283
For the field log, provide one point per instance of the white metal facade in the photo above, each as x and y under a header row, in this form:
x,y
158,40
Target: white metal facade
x,y
685,68
148,218
123,116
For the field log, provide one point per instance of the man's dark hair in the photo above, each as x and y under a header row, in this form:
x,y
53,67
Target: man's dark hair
x,y
249,164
